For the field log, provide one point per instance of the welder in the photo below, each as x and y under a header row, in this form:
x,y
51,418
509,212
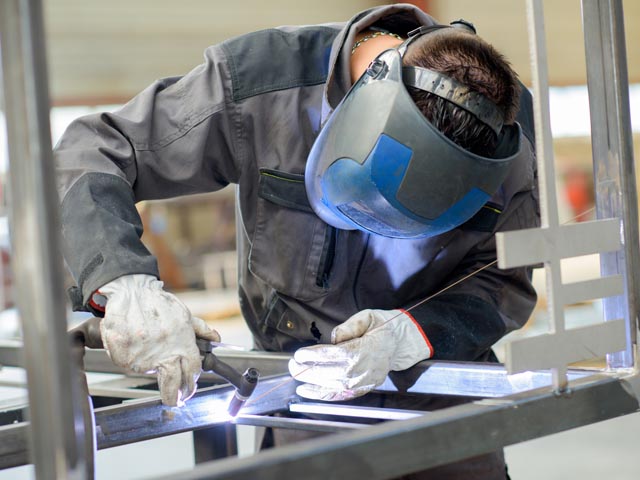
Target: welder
x,y
374,161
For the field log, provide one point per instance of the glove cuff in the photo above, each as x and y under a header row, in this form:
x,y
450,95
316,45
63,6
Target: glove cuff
x,y
413,344
129,283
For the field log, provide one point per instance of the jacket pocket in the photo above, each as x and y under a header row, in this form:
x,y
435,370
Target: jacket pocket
x,y
283,329
292,249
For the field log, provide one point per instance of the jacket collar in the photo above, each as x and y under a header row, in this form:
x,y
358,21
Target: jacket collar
x,y
399,18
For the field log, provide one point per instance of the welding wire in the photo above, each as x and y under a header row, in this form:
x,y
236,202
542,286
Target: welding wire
x,y
475,272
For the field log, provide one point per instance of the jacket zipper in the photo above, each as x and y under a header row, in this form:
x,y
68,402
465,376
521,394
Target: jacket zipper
x,y
327,257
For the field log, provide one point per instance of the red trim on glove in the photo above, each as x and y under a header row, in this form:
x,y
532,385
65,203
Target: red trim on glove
x,y
94,305
424,335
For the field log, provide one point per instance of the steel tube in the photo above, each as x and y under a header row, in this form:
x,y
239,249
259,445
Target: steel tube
x,y
393,449
148,419
512,419
56,438
97,360
613,164
297,423
468,379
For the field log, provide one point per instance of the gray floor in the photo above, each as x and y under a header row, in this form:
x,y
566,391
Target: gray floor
x,y
607,450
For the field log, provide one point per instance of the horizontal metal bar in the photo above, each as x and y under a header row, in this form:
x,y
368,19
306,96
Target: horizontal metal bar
x,y
296,423
355,411
565,347
392,449
604,287
537,245
148,418
430,377
14,445
96,360
466,379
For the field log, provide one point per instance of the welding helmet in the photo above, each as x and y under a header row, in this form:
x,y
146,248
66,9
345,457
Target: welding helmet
x,y
380,166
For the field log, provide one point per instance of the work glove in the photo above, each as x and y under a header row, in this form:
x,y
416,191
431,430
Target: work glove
x,y
363,350
148,330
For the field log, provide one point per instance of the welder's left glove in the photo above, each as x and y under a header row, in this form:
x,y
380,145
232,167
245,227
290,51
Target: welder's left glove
x,y
364,349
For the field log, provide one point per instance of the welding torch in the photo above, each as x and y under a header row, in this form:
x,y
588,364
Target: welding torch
x,y
88,333
245,384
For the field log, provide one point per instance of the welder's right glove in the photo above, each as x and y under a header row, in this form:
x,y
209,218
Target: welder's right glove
x,y
148,330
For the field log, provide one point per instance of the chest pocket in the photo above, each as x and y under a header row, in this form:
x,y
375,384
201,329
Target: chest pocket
x,y
292,249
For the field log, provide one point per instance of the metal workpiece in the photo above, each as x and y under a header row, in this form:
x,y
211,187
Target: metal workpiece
x,y
97,360
466,430
353,411
613,163
475,380
391,449
57,439
146,419
327,426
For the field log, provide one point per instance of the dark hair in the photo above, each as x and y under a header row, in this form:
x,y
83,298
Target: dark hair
x,y
470,60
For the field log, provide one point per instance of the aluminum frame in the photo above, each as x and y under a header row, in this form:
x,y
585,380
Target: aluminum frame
x,y
613,164
389,450
486,424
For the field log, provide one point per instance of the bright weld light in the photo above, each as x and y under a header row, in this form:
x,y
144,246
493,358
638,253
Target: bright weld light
x,y
215,409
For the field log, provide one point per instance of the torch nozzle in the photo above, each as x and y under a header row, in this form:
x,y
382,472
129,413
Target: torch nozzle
x,y
244,391
245,384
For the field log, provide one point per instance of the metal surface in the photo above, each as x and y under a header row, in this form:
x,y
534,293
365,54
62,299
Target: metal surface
x,y
335,409
512,419
480,380
613,164
98,361
429,377
57,446
565,347
296,423
146,419
392,449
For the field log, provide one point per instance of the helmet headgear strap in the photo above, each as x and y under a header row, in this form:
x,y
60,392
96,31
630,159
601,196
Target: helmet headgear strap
x,y
446,87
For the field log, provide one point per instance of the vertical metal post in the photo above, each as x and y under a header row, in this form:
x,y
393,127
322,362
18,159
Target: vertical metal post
x,y
56,432
546,170
612,145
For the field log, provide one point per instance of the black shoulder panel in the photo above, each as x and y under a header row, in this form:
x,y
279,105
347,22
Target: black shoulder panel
x,y
525,114
273,59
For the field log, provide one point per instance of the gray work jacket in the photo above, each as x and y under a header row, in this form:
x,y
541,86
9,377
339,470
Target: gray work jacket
x,y
248,116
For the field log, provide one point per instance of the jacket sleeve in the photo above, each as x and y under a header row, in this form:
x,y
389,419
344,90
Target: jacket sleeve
x,y
175,138
479,302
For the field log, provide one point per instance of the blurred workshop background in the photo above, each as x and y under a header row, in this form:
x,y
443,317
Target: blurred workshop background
x,y
100,54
